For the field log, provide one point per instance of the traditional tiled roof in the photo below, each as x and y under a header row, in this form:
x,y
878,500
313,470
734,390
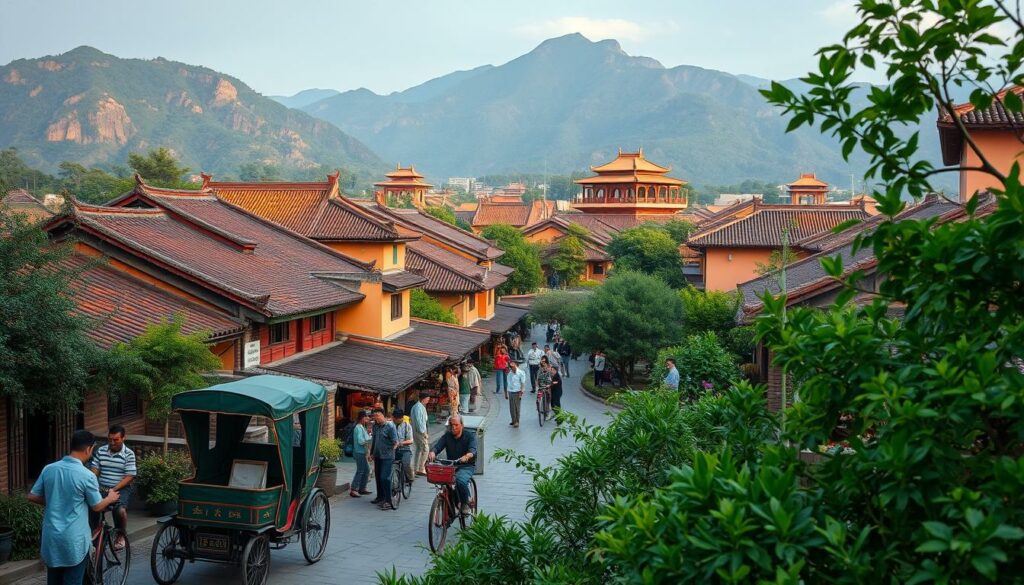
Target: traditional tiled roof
x,y
21,201
807,275
121,307
316,210
457,342
630,161
995,117
763,225
808,180
432,228
362,364
224,248
404,177
513,214
401,280
447,271
631,167
466,215
506,316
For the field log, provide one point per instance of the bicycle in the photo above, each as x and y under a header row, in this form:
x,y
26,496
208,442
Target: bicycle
x,y
441,473
543,405
401,487
108,565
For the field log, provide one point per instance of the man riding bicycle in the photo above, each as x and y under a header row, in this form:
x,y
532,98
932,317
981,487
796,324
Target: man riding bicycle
x,y
544,380
461,447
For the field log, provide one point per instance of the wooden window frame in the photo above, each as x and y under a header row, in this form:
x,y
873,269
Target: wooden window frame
x,y
116,405
598,268
315,326
472,301
396,306
284,328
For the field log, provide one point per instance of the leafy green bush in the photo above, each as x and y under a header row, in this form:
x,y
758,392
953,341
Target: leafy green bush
x,y
708,310
26,519
424,306
330,450
702,362
159,475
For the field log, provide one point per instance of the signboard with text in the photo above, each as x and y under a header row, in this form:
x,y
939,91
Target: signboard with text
x,y
251,355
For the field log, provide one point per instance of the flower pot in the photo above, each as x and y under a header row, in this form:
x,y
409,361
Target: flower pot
x,y
328,480
6,543
163,508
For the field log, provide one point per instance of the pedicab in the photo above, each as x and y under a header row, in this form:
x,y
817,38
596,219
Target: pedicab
x,y
247,496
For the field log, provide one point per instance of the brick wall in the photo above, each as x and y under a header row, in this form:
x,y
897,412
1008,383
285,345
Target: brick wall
x,y
327,422
4,453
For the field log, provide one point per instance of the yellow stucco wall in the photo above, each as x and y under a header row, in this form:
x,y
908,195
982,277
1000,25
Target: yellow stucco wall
x,y
382,255
725,268
1001,148
372,316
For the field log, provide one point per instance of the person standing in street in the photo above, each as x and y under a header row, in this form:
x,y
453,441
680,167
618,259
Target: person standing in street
x,y
383,445
420,433
514,391
67,490
464,389
475,383
554,358
556,391
451,381
672,377
565,352
533,360
501,360
114,466
360,443
599,363
405,440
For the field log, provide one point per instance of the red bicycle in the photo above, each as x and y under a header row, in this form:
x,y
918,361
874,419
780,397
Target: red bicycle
x,y
441,473
109,560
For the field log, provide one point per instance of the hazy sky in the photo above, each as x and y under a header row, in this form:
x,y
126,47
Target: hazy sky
x,y
280,47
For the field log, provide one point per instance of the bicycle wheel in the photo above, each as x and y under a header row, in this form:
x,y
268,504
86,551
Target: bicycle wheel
x,y
316,527
115,563
90,569
396,486
406,484
437,523
164,562
256,561
467,520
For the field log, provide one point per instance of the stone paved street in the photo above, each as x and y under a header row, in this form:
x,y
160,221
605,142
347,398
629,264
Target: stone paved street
x,y
365,540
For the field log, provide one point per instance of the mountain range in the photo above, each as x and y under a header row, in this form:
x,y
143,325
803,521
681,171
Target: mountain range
x,y
571,103
93,108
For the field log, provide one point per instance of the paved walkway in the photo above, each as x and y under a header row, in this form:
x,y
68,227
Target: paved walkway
x,y
365,540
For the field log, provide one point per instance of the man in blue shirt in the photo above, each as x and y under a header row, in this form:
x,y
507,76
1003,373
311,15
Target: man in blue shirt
x,y
672,377
384,443
514,388
67,490
459,446
420,432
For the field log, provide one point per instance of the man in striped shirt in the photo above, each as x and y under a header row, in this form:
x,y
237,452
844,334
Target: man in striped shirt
x,y
114,465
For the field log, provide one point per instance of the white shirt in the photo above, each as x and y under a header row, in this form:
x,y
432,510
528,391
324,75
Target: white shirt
x,y
553,358
533,356
516,381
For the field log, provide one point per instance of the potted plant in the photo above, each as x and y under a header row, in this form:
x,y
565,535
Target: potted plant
x,y
158,478
6,543
21,524
330,451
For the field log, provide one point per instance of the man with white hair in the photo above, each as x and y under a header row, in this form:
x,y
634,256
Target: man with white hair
x,y
459,446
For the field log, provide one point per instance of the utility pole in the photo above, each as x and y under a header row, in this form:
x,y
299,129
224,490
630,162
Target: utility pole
x,y
782,287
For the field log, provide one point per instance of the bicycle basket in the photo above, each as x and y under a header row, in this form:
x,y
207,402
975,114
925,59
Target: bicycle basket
x,y
443,474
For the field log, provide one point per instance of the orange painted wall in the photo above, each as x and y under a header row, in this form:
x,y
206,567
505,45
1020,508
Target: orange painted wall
x,y
1001,148
382,255
459,304
225,352
372,316
598,277
545,235
723,274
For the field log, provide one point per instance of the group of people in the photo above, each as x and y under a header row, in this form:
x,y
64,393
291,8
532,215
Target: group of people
x,y
87,479
379,441
544,375
463,385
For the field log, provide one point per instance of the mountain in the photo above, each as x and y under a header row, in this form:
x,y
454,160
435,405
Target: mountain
x,y
304,97
93,108
571,103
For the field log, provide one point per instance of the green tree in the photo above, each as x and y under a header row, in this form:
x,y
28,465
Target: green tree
x,y
569,259
520,255
648,249
45,356
15,174
556,305
630,316
708,310
678,229
701,359
424,306
171,362
159,167
92,185
258,172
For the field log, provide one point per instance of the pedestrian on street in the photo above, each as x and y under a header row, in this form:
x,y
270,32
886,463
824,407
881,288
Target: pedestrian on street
x,y
672,377
501,360
599,363
67,490
464,389
553,356
475,383
385,440
533,360
514,391
360,443
556,391
544,380
565,351
452,384
420,433
405,440
114,466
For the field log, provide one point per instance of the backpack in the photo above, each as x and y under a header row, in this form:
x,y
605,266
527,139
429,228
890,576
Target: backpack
x,y
348,433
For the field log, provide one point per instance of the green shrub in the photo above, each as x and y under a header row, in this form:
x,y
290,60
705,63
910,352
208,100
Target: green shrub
x,y
159,475
330,449
701,361
26,519
708,310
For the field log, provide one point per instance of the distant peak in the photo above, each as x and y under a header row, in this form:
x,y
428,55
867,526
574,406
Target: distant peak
x,y
569,40
85,51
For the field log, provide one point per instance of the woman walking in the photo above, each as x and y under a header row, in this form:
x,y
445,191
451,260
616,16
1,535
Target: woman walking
x,y
360,441
500,369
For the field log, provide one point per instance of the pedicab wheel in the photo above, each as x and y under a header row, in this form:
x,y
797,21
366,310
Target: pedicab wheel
x,y
406,486
256,561
116,563
437,523
464,519
316,526
165,565
396,487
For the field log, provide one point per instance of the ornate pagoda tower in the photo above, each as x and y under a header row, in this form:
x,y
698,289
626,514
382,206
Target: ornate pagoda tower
x,y
631,185
807,190
403,182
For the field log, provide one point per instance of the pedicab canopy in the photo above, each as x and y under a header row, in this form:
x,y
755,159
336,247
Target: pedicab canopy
x,y
291,453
